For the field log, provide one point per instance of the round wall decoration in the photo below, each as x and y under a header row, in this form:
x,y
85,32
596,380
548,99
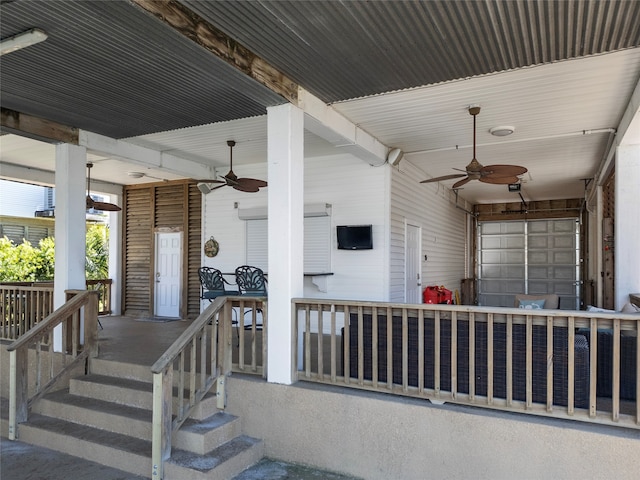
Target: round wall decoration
x,y
211,247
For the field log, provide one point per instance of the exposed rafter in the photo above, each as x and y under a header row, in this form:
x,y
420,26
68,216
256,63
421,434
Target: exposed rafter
x,y
37,128
198,30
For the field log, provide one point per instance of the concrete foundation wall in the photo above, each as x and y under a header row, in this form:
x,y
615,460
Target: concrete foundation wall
x,y
377,436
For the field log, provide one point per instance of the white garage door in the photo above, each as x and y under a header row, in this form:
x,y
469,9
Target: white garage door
x,y
534,257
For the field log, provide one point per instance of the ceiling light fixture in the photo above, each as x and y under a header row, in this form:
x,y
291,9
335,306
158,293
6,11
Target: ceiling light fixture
x,y
22,40
502,131
135,174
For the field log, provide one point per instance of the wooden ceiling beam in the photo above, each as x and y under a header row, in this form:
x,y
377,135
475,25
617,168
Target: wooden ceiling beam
x,y
37,128
200,31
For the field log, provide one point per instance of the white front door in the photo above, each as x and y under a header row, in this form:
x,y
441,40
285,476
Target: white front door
x,y
413,277
168,274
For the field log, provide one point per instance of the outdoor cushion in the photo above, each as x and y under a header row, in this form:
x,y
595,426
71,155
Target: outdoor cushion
x,y
550,300
532,304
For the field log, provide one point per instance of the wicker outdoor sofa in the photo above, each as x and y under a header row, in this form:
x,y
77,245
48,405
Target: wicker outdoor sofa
x,y
539,358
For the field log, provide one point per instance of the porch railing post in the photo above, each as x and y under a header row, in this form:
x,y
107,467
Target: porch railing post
x,y
18,397
162,411
91,325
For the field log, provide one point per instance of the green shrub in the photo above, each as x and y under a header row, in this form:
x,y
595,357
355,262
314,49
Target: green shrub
x,y
26,263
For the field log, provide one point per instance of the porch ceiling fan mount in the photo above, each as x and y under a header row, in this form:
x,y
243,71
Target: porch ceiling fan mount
x,y
495,174
241,184
91,203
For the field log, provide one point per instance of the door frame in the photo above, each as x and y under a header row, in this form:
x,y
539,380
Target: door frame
x,y
418,264
154,300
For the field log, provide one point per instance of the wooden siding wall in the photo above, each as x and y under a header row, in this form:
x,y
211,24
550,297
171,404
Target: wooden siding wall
x,y
432,207
149,208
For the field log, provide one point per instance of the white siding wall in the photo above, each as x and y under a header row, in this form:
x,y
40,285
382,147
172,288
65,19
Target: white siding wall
x,y
432,207
357,193
21,199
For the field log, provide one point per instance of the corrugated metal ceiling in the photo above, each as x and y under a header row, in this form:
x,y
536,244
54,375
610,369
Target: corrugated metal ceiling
x,y
346,49
110,68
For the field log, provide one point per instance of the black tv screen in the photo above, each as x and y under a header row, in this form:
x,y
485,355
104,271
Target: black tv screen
x,y
354,237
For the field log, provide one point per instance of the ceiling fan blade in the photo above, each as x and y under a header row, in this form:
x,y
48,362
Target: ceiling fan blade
x,y
104,206
445,177
461,183
251,183
502,170
246,188
499,180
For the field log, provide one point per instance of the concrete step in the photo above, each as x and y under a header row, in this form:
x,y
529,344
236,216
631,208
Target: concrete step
x,y
114,368
124,391
107,448
134,455
134,393
198,436
96,413
222,463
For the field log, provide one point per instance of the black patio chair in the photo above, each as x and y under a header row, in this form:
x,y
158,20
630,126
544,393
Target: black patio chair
x,y
251,282
213,285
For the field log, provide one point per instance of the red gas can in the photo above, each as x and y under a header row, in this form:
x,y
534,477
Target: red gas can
x,y
435,294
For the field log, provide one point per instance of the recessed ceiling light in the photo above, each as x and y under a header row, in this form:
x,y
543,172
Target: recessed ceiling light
x,y
502,131
135,174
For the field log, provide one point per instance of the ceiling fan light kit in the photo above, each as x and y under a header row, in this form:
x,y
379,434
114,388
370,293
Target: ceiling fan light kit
x,y
494,174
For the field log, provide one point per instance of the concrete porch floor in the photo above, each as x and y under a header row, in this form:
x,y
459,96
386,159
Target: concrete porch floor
x,y
138,341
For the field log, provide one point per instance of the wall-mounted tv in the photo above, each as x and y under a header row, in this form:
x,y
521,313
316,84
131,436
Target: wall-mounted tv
x,y
354,237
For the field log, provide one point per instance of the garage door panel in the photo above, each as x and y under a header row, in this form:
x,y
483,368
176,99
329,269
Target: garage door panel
x,y
535,257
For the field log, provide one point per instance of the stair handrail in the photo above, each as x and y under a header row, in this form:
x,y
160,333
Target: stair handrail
x,y
212,367
69,316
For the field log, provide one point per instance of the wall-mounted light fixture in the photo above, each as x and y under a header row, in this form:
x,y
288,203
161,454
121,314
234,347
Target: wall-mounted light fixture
x,y
22,40
204,188
394,156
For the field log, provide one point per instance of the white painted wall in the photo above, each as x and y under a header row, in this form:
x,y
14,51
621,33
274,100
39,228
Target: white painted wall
x,y
21,199
357,194
432,207
627,224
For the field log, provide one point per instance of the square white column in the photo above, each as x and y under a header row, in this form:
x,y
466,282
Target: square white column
x,y
285,235
70,226
627,223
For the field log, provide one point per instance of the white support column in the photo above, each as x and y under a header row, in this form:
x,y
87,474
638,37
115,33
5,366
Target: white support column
x,y
285,127
70,229
627,223
115,256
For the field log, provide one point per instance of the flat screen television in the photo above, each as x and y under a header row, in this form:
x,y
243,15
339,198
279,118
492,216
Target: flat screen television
x,y
354,237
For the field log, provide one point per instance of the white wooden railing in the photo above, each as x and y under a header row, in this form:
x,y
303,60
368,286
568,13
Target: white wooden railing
x,y
568,364
30,378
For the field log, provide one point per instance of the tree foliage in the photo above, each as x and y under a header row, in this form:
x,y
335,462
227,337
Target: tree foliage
x,y
26,263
